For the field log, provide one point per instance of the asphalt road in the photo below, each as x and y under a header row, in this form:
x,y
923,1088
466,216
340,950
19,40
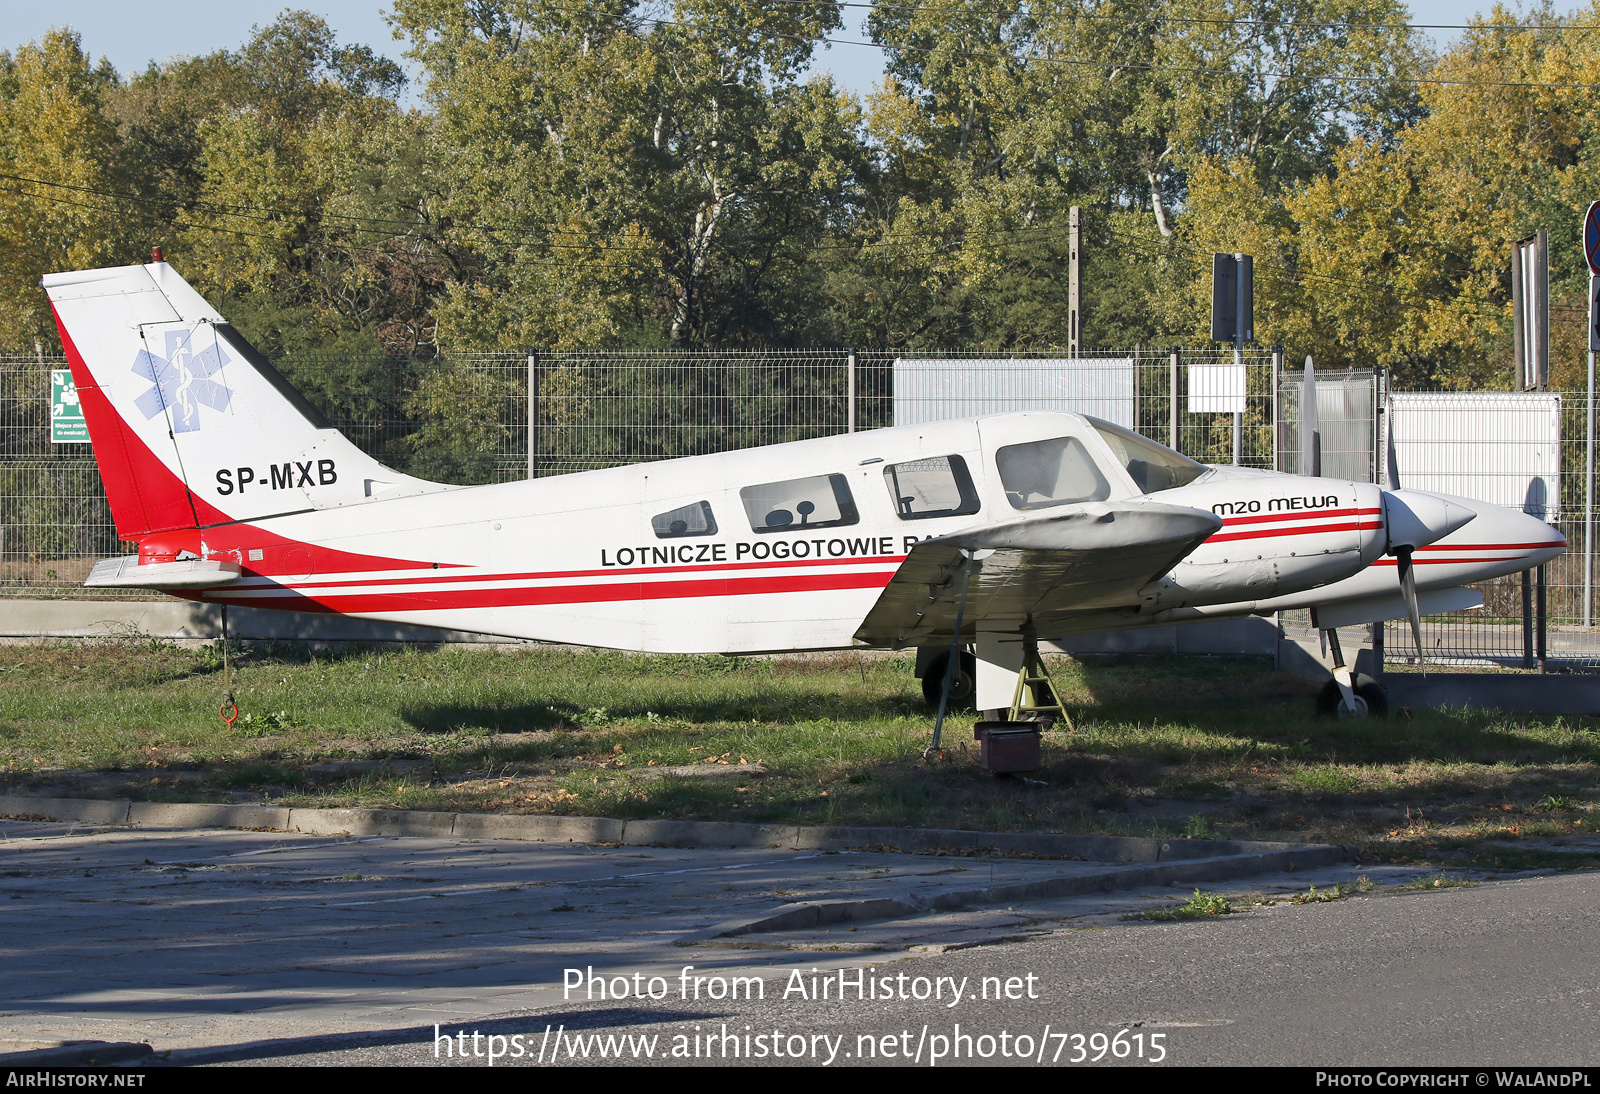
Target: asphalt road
x,y
246,947
1502,973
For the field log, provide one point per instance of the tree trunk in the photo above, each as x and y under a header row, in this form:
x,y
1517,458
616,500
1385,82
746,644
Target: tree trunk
x,y
1163,221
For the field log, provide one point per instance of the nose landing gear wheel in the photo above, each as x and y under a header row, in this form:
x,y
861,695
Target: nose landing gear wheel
x,y
1372,701
962,684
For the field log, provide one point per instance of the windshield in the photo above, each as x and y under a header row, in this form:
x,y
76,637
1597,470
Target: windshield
x,y
1152,466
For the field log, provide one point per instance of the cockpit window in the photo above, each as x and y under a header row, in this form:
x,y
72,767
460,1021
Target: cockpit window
x,y
935,487
691,520
1054,472
822,501
1152,466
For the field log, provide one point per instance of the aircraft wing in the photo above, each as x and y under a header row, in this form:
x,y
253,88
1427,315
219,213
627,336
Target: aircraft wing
x,y
1070,561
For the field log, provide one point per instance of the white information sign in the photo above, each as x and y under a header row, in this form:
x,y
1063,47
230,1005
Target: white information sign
x,y
1216,387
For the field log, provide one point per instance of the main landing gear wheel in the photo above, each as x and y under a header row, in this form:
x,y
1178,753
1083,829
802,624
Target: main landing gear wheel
x,y
962,685
1372,701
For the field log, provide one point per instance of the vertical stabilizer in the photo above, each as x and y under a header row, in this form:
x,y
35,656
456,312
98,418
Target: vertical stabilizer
x,y
191,426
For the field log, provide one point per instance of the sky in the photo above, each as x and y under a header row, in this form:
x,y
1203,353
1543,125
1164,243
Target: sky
x,y
132,35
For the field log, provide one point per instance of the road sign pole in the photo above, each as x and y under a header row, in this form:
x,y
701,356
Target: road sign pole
x,y
1591,255
1588,474
1238,353
1588,484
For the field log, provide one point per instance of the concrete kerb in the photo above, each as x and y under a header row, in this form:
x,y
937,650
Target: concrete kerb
x,y
814,913
79,1054
1190,854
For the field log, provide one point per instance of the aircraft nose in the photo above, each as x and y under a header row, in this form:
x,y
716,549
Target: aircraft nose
x,y
1415,519
1509,539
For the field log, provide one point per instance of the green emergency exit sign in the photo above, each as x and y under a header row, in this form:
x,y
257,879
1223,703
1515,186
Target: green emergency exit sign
x,y
66,413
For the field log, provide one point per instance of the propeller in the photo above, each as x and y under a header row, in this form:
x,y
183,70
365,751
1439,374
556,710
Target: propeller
x,y
1391,469
1414,520
1408,593
1310,438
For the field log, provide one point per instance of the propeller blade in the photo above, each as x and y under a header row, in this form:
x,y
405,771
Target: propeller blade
x,y
1408,593
1310,441
1392,468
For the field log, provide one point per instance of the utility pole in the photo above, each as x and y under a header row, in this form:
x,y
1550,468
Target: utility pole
x,y
1074,298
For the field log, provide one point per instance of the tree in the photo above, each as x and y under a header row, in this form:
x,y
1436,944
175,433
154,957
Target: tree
x,y
56,151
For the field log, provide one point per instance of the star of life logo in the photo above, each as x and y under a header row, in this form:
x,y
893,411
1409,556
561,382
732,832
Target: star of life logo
x,y
182,380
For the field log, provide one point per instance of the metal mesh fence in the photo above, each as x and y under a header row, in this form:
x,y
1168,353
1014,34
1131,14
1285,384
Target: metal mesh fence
x,y
495,417
480,418
1526,451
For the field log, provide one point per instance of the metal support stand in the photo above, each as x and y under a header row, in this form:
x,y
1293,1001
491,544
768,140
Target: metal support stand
x,y
950,664
1029,678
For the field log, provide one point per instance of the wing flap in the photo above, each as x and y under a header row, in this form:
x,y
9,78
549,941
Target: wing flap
x,y
1075,559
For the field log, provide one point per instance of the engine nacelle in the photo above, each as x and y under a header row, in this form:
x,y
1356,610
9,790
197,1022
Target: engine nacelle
x,y
1280,534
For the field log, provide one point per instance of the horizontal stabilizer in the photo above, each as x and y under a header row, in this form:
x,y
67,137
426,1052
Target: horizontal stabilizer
x,y
195,573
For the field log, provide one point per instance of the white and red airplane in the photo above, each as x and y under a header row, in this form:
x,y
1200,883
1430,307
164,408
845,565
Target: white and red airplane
x,y
986,532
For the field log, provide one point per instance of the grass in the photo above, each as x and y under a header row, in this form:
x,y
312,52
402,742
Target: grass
x,y
1440,880
1200,906
1313,895
809,740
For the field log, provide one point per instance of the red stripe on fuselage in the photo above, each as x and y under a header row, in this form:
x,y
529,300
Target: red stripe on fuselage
x,y
446,600
557,575
1296,530
1303,514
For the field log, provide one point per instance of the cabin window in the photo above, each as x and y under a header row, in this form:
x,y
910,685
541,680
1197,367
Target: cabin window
x,y
936,487
1054,472
822,501
691,520
1152,466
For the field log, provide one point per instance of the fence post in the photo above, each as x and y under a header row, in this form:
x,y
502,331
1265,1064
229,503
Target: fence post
x,y
850,389
1172,399
533,414
1527,619
1272,404
1539,622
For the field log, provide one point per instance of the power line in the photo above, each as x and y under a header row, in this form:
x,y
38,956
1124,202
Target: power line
x,y
1192,21
1118,66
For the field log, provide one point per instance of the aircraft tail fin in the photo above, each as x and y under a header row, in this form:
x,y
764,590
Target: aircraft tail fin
x,y
191,426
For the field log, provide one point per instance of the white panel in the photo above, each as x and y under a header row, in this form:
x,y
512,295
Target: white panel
x,y
928,390
1216,387
1502,448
